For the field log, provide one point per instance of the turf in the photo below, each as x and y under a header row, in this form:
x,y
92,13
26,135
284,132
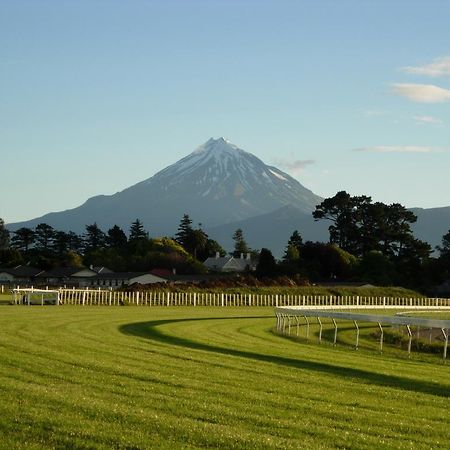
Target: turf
x,y
132,377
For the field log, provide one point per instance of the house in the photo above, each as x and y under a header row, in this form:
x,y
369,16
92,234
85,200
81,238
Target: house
x,y
100,269
19,275
230,263
117,279
73,276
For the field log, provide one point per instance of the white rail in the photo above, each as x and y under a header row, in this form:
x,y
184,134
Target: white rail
x,y
284,317
162,298
26,295
107,297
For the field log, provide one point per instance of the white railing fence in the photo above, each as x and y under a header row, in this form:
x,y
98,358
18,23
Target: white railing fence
x,y
290,317
161,298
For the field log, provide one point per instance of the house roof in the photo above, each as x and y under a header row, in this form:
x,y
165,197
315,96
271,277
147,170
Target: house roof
x,y
22,271
228,262
101,269
125,276
63,272
118,275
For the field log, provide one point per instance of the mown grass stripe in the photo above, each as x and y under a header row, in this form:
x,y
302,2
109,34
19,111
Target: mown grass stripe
x,y
178,377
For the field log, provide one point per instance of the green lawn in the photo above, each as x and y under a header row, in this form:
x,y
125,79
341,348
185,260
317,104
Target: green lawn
x,y
6,299
132,377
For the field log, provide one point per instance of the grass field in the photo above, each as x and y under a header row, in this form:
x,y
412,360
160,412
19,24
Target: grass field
x,y
134,377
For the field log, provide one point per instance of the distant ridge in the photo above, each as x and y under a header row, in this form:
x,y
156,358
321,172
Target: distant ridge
x,y
272,230
432,224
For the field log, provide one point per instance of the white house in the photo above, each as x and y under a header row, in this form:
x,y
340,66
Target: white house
x,y
230,263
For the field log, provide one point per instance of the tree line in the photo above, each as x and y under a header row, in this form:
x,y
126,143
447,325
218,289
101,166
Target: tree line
x,y
46,247
368,241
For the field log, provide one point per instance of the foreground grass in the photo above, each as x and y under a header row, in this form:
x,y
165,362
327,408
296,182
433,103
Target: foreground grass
x,y
207,377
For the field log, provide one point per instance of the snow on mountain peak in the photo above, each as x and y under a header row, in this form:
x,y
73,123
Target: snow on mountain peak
x,y
219,172
217,146
219,159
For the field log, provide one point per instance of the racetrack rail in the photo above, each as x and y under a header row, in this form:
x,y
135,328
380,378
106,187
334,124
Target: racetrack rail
x,y
286,314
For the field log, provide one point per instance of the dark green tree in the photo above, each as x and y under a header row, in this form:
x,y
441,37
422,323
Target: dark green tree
x,y
184,231
196,243
377,268
193,240
44,235
116,237
292,252
440,267
23,239
240,245
211,249
342,210
411,262
76,242
11,257
94,238
60,243
359,226
137,231
4,236
397,230
267,266
444,250
325,262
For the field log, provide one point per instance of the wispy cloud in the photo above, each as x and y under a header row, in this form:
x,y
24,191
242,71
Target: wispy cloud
x,y
373,113
428,120
422,93
438,68
401,149
294,166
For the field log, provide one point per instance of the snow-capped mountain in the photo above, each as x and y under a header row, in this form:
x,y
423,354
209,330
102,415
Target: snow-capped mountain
x,y
216,184
231,181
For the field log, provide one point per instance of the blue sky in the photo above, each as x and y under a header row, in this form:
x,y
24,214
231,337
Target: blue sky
x,y
98,95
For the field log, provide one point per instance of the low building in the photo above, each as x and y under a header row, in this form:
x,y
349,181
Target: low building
x,y
75,277
118,279
100,269
19,275
71,276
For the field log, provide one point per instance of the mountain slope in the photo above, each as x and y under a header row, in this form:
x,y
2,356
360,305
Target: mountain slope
x,y
432,224
216,184
272,230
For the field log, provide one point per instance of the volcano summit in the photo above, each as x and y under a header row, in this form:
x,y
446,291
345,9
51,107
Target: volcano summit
x,y
218,183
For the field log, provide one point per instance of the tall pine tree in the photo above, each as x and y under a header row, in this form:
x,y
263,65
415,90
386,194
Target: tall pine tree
x,y
94,238
240,245
292,252
137,231
184,231
23,239
116,237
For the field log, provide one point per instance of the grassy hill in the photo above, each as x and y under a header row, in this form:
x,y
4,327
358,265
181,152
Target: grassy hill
x,y
208,377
